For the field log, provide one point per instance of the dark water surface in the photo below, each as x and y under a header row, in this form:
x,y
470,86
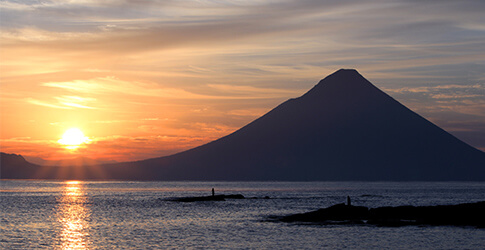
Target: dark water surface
x,y
139,215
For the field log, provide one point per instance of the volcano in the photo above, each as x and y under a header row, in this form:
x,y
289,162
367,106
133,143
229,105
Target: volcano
x,y
343,129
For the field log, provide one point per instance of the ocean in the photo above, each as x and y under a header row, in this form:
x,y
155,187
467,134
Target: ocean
x,y
141,215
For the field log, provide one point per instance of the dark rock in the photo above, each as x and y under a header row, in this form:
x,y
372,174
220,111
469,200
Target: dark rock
x,y
339,212
371,195
467,214
221,197
233,196
256,198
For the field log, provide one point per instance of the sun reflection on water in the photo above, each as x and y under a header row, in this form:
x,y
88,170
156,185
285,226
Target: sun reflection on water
x,y
73,215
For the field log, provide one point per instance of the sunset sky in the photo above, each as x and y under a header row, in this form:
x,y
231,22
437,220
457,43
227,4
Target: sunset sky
x,y
143,79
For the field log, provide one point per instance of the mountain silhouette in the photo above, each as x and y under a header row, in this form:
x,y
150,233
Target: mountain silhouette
x,y
13,166
77,161
344,128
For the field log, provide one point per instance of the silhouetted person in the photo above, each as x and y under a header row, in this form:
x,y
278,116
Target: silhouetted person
x,y
213,193
348,201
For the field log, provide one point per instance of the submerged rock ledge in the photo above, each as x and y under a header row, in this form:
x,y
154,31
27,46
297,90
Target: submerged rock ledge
x,y
467,214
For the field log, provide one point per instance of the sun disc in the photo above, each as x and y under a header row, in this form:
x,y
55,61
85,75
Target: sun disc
x,y
73,137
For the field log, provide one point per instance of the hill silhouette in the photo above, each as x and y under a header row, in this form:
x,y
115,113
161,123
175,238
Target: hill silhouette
x,y
13,166
77,161
344,128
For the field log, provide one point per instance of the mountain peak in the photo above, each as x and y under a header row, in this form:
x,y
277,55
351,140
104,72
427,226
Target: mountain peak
x,y
347,83
344,77
346,71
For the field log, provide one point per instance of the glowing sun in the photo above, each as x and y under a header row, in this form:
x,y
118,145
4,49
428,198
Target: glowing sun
x,y
73,138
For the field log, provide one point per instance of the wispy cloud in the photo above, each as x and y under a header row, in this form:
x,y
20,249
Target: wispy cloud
x,y
110,85
64,102
46,104
455,96
253,112
75,101
375,36
479,88
252,92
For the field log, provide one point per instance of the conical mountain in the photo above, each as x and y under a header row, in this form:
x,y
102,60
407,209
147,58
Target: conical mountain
x,y
343,129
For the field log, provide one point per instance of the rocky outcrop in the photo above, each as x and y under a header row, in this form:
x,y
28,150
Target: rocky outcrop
x,y
221,197
467,214
336,213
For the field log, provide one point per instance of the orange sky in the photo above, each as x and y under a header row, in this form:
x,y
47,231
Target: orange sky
x,y
145,79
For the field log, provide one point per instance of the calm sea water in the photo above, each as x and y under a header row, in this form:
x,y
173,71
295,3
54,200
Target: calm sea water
x,y
139,215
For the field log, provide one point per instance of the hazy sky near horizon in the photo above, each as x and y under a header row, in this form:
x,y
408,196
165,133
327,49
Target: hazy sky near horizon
x,y
146,78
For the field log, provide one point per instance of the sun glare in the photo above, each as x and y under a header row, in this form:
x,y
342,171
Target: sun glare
x,y
73,138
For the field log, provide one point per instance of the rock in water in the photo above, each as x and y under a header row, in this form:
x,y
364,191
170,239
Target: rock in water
x,y
339,212
467,214
221,197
